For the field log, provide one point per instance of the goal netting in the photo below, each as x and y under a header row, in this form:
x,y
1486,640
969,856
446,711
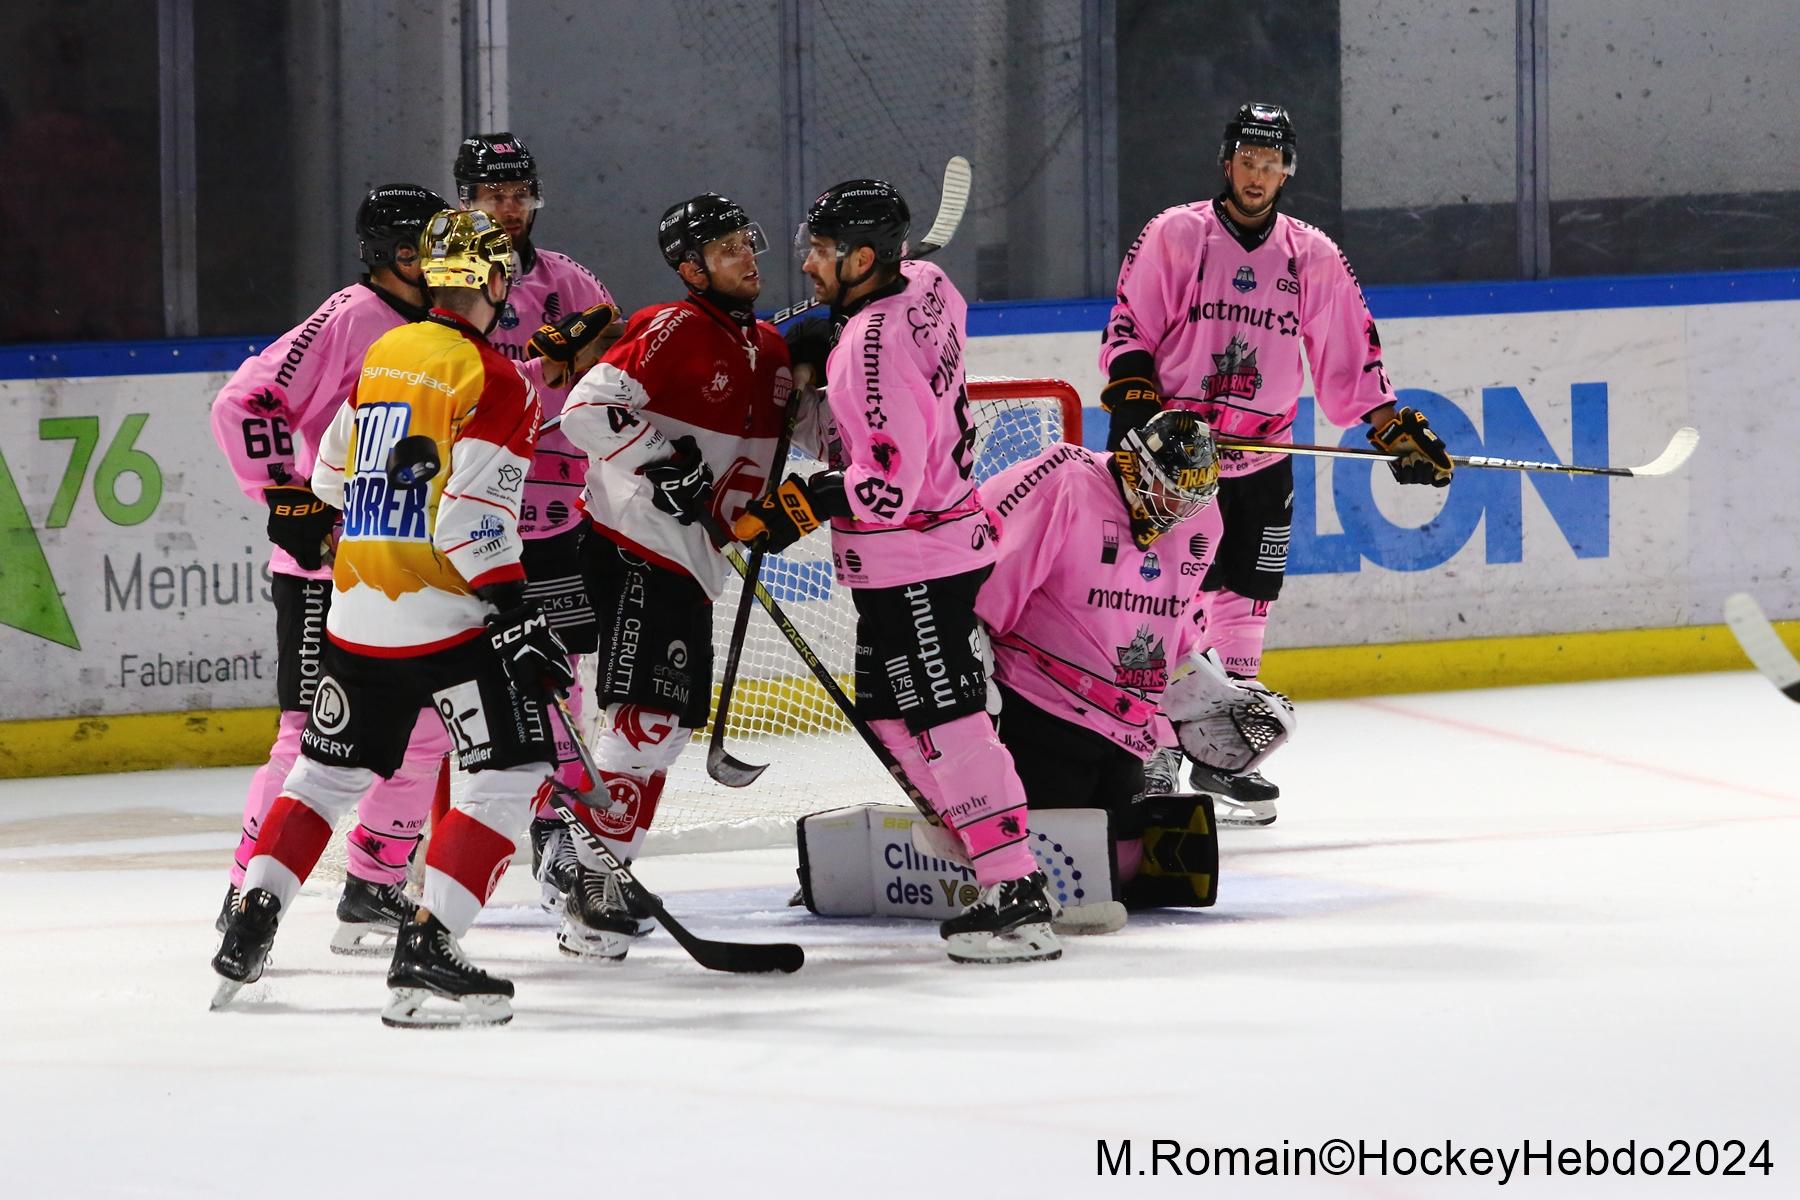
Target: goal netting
x,y
779,713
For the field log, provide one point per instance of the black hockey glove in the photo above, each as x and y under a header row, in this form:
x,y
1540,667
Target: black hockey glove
x,y
1422,457
774,522
299,522
809,344
1132,401
534,658
681,485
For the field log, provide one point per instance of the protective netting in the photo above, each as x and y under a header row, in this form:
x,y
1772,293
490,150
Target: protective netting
x,y
779,713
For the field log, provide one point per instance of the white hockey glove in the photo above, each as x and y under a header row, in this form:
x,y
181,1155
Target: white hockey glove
x,y
1227,724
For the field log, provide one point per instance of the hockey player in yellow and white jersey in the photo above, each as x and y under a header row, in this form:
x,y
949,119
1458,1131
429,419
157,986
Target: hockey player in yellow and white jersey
x,y
427,459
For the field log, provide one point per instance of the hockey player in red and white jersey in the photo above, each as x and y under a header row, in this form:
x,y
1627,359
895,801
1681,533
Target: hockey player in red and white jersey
x,y
680,421
1215,301
556,309
268,419
427,460
913,542
1091,610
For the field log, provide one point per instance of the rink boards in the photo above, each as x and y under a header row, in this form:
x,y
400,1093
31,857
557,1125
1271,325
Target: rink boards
x,y
135,620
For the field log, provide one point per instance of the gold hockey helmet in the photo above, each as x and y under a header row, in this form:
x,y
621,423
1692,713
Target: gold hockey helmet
x,y
459,247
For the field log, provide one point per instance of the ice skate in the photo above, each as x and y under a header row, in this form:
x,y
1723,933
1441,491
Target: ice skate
x,y
369,914
597,923
1009,922
1246,799
225,911
429,962
553,861
245,951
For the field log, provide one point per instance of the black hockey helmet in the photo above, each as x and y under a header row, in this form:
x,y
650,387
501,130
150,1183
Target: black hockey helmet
x,y
1259,124
686,227
391,215
493,158
861,212
1168,471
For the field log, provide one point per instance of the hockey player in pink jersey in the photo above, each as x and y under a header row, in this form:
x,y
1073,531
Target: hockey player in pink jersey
x,y
913,542
1092,610
1215,301
268,420
555,295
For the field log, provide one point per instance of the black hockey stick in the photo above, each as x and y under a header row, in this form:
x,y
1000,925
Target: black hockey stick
x,y
822,673
953,200
738,958
1762,645
722,766
1680,446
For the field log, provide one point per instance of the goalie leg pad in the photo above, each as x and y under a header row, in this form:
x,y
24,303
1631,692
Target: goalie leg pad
x,y
1179,863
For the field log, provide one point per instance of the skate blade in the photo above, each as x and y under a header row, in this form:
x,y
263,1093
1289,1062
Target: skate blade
x,y
367,941
606,950
1242,813
1108,916
412,1008
225,993
1027,943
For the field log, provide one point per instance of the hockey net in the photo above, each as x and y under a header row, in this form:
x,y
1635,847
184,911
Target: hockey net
x,y
779,713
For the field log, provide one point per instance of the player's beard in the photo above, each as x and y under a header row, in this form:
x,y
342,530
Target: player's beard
x,y
1256,214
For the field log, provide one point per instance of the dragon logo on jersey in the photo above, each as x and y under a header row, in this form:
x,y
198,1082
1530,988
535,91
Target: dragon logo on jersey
x,y
1235,374
1144,664
1244,280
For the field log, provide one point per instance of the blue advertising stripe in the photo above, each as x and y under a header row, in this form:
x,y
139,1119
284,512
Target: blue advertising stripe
x,y
74,360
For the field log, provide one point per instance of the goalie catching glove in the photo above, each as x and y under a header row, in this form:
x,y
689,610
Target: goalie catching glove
x,y
1422,457
299,522
1227,724
533,656
776,521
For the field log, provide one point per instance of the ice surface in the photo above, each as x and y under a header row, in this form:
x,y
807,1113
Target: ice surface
x,y
1562,912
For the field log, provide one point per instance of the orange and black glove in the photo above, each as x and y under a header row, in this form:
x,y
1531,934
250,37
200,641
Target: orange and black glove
x,y
573,341
1422,457
776,521
1131,397
299,522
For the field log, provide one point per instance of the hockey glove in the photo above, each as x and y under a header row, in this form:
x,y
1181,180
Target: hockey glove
x,y
533,657
681,485
774,522
299,522
1132,401
809,344
1422,457
576,342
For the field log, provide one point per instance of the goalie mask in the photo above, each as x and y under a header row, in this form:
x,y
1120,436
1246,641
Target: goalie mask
x,y
1168,472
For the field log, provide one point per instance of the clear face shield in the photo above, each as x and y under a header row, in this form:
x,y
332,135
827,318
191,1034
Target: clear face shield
x,y
747,242
1255,158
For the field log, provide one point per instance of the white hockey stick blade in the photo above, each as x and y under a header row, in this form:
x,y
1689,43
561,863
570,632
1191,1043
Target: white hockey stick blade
x,y
1762,645
953,200
1107,916
1677,452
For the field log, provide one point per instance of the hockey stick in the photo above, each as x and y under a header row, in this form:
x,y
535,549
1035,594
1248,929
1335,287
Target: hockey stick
x,y
1680,447
1762,645
953,200
724,767
738,958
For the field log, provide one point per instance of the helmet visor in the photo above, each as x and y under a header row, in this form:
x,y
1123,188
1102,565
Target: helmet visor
x,y
748,240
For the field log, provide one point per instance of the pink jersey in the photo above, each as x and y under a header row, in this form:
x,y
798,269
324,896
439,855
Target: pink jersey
x,y
270,415
1225,324
1085,625
901,411
552,287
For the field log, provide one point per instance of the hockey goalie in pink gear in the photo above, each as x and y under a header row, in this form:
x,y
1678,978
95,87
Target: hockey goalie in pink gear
x,y
1093,611
912,540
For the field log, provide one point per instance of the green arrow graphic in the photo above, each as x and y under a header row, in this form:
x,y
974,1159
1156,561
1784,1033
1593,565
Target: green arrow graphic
x,y
28,596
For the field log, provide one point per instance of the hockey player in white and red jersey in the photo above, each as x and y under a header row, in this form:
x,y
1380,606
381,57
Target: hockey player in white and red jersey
x,y
1215,301
1091,610
912,541
557,309
427,460
268,419
680,421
